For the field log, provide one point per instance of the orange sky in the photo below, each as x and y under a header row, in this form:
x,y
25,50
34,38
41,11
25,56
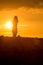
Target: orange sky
x,y
30,21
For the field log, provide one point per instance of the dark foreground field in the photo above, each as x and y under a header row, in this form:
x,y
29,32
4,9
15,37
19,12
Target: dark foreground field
x,y
21,51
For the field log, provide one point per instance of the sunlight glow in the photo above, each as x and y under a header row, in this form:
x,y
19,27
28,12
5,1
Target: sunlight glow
x,y
9,25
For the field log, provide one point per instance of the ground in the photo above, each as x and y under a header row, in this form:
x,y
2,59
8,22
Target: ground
x,y
21,50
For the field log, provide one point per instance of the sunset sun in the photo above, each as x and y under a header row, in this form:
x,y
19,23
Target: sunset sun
x,y
9,25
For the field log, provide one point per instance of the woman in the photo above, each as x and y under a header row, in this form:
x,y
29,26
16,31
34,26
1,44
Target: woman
x,y
15,21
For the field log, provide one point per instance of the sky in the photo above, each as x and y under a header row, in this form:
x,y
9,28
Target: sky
x,y
30,15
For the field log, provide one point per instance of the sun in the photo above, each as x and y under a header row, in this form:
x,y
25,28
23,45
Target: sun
x,y
9,25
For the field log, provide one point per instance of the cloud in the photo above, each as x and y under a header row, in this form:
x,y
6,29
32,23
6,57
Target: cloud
x,y
21,3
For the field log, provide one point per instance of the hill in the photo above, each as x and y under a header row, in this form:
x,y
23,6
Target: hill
x,y
21,50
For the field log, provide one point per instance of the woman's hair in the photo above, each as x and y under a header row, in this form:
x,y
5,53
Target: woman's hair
x,y
15,17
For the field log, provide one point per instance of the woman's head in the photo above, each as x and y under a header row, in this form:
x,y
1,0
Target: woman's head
x,y
15,18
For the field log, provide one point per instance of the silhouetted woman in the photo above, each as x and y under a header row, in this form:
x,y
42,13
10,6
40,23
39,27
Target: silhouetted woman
x,y
15,21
